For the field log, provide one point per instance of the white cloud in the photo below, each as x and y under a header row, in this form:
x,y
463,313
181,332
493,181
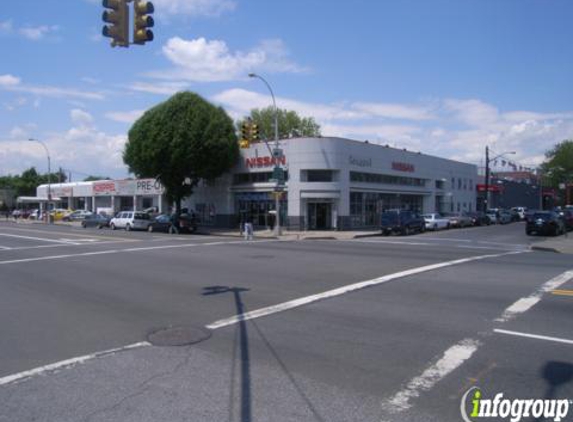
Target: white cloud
x,y
81,149
202,60
125,116
161,88
81,118
194,7
12,83
394,111
6,26
36,33
9,81
452,128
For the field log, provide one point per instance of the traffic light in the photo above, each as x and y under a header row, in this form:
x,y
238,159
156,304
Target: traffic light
x,y
244,142
142,21
254,132
118,18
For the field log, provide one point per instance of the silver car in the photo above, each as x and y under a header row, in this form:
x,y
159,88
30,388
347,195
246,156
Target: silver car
x,y
130,220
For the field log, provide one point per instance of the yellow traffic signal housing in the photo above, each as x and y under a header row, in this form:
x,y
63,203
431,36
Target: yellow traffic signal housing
x,y
118,19
244,143
246,131
142,21
254,132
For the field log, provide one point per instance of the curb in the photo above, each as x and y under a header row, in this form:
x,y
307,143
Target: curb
x,y
359,236
545,249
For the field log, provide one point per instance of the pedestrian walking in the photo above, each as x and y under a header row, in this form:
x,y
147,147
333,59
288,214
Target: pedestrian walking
x,y
248,230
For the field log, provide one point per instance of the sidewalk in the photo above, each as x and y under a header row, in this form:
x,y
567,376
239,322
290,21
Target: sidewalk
x,y
561,244
295,235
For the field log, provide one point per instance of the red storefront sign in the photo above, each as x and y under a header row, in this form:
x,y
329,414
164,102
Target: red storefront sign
x,y
398,166
265,162
491,188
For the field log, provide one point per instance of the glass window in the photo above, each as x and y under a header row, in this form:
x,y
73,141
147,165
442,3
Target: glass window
x,y
360,177
319,175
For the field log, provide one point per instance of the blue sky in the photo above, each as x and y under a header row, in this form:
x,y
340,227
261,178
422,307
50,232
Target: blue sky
x,y
445,77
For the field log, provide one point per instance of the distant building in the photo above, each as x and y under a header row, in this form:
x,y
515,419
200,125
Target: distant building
x,y
508,189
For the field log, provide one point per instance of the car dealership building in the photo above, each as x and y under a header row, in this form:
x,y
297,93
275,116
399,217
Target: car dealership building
x,y
334,183
330,184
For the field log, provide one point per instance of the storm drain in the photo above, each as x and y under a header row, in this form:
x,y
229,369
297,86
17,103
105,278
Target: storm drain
x,y
178,336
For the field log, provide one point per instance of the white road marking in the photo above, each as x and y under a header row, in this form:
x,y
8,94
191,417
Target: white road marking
x,y
345,289
393,242
526,303
5,248
534,336
114,251
25,248
41,239
67,363
450,361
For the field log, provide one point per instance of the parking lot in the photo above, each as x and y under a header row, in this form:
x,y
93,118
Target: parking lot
x,y
377,328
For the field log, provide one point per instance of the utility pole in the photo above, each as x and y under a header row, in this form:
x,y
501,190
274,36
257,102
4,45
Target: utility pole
x,y
486,200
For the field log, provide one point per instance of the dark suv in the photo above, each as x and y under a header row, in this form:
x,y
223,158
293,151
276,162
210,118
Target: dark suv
x,y
545,222
402,222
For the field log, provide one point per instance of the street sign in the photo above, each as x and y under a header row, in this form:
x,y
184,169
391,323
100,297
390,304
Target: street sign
x,y
279,175
277,153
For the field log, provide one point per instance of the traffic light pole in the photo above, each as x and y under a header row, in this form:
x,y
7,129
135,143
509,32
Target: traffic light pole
x,y
277,230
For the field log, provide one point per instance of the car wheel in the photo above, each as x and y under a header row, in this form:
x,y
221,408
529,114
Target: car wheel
x,y
435,227
84,225
112,226
150,228
99,226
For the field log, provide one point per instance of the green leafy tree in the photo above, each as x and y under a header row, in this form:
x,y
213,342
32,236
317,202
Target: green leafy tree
x,y
94,178
180,142
558,167
291,125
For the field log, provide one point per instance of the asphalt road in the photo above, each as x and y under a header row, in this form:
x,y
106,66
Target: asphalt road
x,y
373,329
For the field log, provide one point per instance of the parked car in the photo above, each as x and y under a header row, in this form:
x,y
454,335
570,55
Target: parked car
x,y
545,222
130,220
458,219
567,215
435,221
479,218
493,216
402,222
185,222
520,211
78,215
96,220
504,217
161,223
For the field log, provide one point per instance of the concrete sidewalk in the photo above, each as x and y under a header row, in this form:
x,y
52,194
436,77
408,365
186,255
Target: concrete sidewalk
x,y
296,235
560,244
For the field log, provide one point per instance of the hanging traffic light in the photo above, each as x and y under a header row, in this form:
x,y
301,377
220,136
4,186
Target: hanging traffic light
x,y
254,132
118,19
244,142
142,21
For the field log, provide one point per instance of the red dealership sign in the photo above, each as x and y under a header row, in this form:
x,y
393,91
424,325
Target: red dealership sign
x,y
398,166
265,161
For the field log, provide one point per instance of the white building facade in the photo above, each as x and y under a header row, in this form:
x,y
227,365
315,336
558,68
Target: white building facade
x,y
334,184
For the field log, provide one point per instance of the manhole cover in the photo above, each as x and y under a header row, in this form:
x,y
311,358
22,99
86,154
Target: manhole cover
x,y
178,336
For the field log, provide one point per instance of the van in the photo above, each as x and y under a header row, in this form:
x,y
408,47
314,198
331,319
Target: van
x,y
130,220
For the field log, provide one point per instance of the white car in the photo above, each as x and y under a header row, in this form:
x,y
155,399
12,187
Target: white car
x,y
435,221
130,220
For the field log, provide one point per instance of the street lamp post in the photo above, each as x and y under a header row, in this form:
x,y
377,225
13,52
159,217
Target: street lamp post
x,y
276,153
487,161
49,178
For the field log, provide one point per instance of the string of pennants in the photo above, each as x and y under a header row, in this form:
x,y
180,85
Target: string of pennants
x,y
512,165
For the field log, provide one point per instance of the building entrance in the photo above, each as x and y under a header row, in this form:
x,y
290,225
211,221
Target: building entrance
x,y
319,216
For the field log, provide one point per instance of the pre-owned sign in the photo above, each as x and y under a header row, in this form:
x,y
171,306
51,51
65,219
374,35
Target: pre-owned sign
x,y
399,166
